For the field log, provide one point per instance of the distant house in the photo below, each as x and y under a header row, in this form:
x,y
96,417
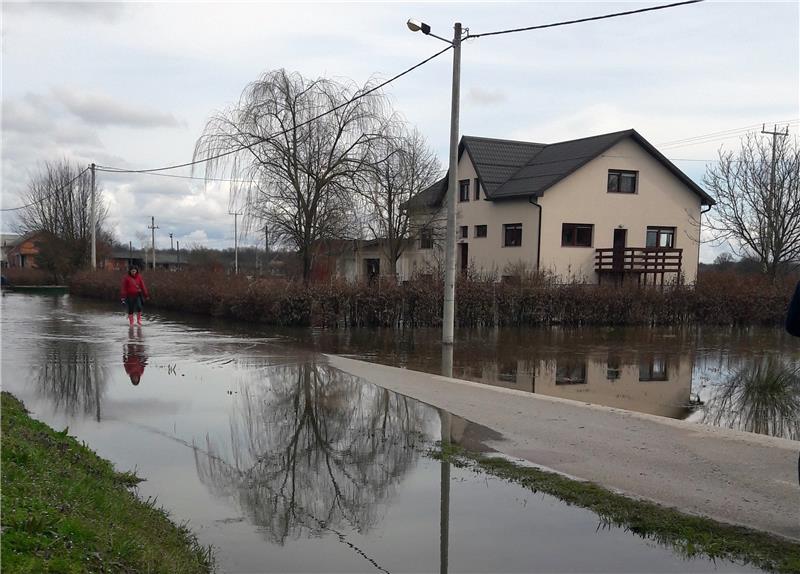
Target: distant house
x,y
602,208
7,241
121,259
23,254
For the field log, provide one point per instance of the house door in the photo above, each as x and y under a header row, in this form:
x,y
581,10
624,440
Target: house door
x,y
620,238
464,247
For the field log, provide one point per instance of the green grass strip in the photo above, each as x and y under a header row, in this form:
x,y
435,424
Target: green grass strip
x,y
687,535
65,509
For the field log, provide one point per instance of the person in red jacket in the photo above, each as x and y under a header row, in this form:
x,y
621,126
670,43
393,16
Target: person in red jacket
x,y
133,293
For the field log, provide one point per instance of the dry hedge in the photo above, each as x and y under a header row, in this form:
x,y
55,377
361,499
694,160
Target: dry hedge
x,y
719,298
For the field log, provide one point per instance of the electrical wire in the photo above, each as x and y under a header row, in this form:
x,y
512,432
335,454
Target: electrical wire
x,y
309,121
714,136
580,20
49,195
104,170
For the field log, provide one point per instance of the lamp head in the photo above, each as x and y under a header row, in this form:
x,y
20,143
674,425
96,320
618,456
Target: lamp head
x,y
417,26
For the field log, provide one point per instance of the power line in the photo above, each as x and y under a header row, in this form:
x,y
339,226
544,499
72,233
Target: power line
x,y
179,176
725,134
49,195
589,19
305,123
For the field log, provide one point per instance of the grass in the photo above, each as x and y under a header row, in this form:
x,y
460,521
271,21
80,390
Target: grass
x,y
686,534
65,509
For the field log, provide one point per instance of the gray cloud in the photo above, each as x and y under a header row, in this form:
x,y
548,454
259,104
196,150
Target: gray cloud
x,y
101,110
104,11
485,96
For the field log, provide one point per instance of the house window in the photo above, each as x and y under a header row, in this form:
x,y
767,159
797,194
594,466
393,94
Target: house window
x,y
660,237
477,189
426,239
464,231
620,181
570,372
480,231
653,369
463,190
512,235
576,234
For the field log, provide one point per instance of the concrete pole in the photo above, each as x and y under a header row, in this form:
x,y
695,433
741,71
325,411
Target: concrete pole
x,y
236,243
94,221
448,319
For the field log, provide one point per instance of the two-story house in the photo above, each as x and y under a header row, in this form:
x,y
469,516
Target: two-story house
x,y
601,208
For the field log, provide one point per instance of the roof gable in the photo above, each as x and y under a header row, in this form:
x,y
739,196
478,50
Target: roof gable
x,y
508,168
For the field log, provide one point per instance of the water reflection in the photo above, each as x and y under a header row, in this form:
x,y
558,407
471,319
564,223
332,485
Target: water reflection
x,y
134,357
69,374
311,449
762,397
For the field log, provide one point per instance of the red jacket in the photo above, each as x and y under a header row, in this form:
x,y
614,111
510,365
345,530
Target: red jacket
x,y
133,286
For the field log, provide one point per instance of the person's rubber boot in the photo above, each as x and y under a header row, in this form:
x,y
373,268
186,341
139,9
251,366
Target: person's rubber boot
x,y
130,319
138,319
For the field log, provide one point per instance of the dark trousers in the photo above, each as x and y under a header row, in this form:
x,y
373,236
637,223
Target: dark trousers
x,y
134,304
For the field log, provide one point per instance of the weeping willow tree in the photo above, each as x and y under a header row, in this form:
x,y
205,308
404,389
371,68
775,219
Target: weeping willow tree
x,y
302,146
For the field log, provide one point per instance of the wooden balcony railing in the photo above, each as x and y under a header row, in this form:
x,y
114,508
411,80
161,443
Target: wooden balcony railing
x,y
657,260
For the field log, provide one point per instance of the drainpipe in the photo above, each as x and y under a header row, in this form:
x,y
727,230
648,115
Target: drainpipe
x,y
532,201
700,235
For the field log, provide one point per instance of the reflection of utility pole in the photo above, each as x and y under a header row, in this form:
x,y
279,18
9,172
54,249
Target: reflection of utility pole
x,y
444,506
152,227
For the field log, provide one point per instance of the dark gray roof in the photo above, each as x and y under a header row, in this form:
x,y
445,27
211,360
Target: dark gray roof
x,y
509,168
497,160
429,197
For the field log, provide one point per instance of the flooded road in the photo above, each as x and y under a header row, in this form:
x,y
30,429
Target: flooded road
x,y
285,464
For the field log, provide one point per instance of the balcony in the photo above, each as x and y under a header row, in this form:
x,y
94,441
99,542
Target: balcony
x,y
646,262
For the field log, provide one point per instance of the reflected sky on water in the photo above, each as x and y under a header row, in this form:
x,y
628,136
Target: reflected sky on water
x,y
287,465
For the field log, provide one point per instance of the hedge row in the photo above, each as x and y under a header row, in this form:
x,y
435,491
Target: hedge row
x,y
719,298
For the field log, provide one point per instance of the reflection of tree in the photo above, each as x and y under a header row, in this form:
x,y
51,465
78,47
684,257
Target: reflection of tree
x,y
313,449
761,397
70,377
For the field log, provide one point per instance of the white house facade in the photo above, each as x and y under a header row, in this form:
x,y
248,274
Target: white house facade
x,y
596,209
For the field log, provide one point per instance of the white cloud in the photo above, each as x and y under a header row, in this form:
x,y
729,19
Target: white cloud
x,y
102,110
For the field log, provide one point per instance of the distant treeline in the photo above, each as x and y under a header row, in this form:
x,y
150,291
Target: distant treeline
x,y
719,298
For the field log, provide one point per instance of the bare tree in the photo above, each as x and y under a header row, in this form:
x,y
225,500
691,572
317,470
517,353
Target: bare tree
x,y
760,217
58,202
302,164
402,166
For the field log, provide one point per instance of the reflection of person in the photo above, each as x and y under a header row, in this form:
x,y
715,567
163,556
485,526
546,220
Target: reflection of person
x,y
133,293
133,356
793,316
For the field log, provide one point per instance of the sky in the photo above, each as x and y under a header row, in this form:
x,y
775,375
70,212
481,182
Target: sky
x,y
131,85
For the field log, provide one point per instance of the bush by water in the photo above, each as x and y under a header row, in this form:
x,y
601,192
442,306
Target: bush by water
x,y
718,298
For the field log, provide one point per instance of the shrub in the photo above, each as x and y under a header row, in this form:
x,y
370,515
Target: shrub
x,y
719,298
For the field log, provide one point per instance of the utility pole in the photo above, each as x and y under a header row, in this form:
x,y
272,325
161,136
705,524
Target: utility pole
x,y
236,215
171,246
130,252
152,227
774,133
94,221
448,326
179,252
771,198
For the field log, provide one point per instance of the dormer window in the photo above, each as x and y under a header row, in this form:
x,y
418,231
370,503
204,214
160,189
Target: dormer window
x,y
620,181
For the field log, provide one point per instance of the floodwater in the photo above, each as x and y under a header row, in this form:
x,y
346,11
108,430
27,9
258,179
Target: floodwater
x,y
285,464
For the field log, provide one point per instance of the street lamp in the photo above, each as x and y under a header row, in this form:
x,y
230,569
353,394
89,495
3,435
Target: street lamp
x,y
448,319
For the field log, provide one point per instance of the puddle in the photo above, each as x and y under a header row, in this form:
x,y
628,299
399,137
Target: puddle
x,y
285,464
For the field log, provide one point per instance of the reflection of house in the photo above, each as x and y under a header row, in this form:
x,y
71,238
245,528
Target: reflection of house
x,y
609,206
650,382
24,253
7,241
